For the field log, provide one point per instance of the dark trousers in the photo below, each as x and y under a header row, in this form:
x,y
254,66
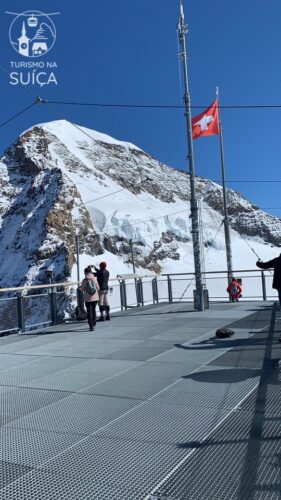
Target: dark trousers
x,y
91,313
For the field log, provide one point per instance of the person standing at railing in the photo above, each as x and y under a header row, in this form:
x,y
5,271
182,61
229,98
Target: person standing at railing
x,y
234,289
102,276
90,289
276,265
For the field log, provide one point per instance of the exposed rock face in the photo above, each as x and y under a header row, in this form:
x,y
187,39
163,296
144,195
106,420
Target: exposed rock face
x,y
58,180
38,229
245,217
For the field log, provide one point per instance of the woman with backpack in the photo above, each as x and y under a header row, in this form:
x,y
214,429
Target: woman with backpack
x,y
90,289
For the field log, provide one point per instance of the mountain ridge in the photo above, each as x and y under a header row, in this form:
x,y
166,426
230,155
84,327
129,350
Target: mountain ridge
x,y
60,179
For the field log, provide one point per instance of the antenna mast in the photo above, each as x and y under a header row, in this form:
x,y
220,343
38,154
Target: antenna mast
x,y
182,30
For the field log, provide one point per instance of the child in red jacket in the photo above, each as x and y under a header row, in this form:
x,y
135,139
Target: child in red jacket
x,y
234,290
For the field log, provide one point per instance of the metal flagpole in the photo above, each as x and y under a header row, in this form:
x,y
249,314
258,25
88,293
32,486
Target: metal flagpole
x,y
226,219
182,30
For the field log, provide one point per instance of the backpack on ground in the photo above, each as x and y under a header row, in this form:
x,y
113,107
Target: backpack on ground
x,y
223,333
80,313
91,287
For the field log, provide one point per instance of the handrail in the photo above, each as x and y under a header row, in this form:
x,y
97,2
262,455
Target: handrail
x,y
32,287
123,277
218,272
130,296
72,283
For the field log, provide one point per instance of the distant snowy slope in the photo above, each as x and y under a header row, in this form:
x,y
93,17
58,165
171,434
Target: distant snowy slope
x,y
59,179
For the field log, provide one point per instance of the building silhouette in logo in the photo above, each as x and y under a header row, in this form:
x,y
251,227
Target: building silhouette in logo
x,y
32,33
23,40
40,45
36,46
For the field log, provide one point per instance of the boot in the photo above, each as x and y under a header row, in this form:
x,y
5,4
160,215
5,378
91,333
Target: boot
x,y
102,310
107,308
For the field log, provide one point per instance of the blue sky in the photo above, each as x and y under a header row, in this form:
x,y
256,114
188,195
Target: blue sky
x,y
124,51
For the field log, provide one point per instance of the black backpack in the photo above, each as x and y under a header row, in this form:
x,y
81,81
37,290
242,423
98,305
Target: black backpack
x,y
223,333
80,313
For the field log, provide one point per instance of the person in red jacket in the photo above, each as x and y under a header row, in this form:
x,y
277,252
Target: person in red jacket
x,y
234,290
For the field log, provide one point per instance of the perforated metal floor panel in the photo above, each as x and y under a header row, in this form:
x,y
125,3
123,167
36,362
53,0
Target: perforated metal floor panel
x,y
255,321
79,413
121,462
142,381
44,485
20,375
236,462
16,402
11,360
90,348
141,352
32,448
243,358
10,472
212,387
155,422
189,353
267,399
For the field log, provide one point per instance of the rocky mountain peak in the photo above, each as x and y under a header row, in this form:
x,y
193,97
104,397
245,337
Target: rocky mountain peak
x,y
60,179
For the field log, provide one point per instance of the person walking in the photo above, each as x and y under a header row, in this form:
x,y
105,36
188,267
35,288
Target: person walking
x,y
90,289
276,265
234,289
102,275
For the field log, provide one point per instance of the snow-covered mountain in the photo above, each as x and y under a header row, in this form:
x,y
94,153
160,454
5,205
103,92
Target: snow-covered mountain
x,y
59,179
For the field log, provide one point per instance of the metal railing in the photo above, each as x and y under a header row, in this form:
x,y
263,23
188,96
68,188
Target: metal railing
x,y
30,308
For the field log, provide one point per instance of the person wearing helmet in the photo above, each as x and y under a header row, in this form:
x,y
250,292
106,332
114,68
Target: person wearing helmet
x,y
102,276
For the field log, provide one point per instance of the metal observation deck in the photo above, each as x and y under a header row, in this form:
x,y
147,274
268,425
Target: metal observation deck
x,y
29,308
151,405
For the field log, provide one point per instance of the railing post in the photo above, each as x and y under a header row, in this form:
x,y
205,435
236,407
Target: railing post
x,y
20,310
137,292
155,290
123,295
140,287
53,305
170,293
263,284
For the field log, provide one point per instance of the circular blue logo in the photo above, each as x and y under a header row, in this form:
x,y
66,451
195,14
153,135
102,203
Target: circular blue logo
x,y
32,33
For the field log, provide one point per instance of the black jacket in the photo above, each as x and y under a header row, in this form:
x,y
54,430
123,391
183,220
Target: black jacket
x,y
102,277
276,265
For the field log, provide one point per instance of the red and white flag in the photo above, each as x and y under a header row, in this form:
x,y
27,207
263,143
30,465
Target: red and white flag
x,y
207,123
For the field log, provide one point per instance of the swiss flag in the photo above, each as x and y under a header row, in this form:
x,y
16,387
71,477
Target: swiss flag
x,y
207,122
